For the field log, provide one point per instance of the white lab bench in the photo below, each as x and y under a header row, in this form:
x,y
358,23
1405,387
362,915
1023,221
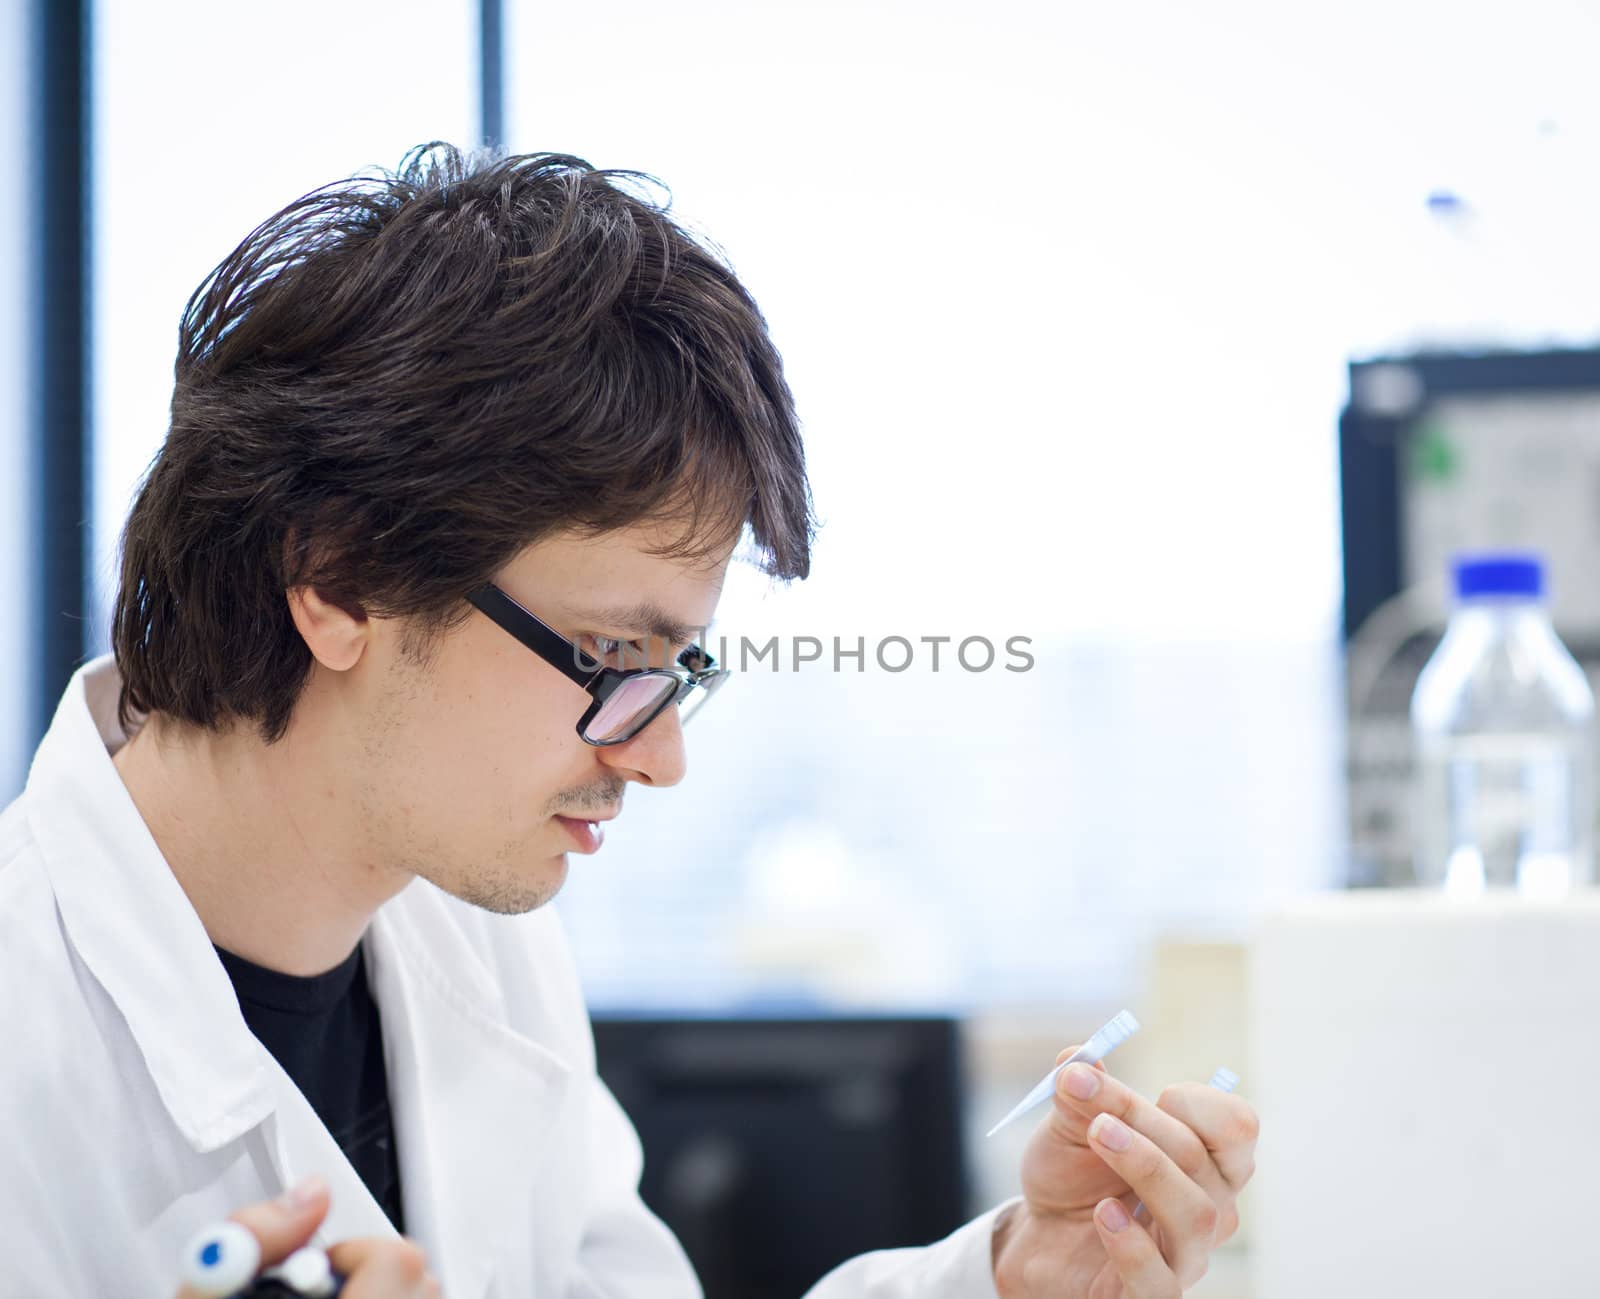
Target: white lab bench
x,y
1428,1078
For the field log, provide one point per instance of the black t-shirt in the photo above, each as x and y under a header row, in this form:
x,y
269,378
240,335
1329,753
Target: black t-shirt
x,y
325,1032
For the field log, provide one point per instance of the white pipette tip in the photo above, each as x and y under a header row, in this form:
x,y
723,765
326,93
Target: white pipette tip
x,y
1107,1039
1122,1026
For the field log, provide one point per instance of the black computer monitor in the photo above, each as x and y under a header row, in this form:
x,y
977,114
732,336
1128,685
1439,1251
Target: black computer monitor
x,y
776,1149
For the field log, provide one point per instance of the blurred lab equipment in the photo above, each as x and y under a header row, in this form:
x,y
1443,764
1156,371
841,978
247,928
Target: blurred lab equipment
x,y
1442,453
776,1149
1425,1073
1502,718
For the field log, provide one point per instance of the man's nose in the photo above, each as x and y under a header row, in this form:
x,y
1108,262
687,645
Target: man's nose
x,y
655,756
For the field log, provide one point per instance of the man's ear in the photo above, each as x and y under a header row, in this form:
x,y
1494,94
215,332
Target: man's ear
x,y
335,636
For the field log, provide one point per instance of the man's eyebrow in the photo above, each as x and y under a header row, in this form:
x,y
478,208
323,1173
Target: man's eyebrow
x,y
644,618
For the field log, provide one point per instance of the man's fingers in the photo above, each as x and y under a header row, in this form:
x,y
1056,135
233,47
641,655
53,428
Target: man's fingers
x,y
284,1225
279,1226
1142,1270
1179,1205
1082,1094
383,1268
374,1267
1225,1123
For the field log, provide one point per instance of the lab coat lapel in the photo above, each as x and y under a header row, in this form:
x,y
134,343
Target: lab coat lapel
x,y
304,1145
472,1099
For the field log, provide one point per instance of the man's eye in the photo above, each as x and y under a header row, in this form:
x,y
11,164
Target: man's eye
x,y
615,653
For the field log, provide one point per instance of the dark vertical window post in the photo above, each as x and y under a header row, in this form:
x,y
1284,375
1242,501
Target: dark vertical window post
x,y
59,308
491,72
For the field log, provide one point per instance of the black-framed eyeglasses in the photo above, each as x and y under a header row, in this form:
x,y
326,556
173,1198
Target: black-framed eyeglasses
x,y
626,700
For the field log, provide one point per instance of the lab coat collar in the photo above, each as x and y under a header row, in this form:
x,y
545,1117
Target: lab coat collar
x,y
472,1099
133,925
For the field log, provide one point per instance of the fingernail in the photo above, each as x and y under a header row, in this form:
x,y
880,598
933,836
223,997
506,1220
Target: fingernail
x,y
1113,1217
1081,1081
303,1194
1110,1133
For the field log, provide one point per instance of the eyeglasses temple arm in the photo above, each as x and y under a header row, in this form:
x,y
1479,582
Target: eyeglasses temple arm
x,y
549,644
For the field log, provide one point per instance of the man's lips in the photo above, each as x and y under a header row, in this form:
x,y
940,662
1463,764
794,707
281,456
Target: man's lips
x,y
609,814
585,830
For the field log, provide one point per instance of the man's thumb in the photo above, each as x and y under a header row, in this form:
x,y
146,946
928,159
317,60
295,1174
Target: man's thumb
x,y
222,1260
285,1224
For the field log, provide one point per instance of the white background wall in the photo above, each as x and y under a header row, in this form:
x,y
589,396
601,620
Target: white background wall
x,y
1065,292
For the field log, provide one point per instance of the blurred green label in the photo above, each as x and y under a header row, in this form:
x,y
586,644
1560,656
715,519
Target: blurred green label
x,y
1433,458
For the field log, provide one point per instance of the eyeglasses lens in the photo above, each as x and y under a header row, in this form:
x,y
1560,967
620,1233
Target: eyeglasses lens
x,y
635,698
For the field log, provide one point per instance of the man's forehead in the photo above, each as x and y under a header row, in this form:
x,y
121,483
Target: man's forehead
x,y
619,581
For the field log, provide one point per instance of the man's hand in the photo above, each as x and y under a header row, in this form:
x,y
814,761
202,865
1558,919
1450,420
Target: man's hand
x,y
373,1267
1103,1149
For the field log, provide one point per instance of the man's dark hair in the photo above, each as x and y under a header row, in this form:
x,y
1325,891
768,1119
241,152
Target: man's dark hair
x,y
398,382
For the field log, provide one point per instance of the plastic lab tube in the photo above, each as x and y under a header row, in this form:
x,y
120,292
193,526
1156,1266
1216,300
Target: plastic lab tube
x,y
307,1272
1113,1034
222,1261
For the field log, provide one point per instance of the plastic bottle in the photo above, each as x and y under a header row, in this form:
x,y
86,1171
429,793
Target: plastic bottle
x,y
1503,721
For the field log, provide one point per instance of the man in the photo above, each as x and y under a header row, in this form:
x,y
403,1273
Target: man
x,y
458,459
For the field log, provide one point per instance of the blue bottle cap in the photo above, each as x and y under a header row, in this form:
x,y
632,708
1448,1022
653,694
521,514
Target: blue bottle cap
x,y
1503,573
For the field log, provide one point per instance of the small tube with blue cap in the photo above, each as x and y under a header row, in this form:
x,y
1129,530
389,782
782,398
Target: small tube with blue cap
x,y
221,1261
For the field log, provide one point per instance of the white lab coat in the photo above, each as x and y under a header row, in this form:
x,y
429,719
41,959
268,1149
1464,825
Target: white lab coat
x,y
136,1107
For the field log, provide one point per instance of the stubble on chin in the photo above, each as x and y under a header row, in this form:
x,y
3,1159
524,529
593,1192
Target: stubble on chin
x,y
507,899
517,881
